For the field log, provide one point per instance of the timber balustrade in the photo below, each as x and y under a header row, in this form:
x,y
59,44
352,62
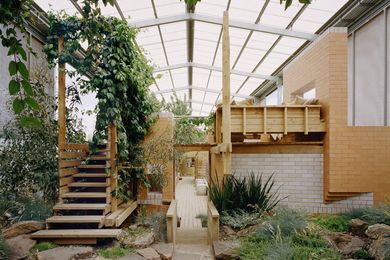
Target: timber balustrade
x,y
212,222
271,119
171,217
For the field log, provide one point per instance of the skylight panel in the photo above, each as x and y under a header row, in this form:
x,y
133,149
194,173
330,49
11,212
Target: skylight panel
x,y
249,58
56,6
275,15
200,77
211,7
247,12
215,80
180,77
288,45
148,36
169,7
136,10
250,86
197,94
109,10
164,81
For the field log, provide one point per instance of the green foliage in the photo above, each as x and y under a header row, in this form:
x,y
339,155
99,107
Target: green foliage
x,y
370,215
286,235
121,77
28,162
240,219
43,246
336,223
362,254
247,193
289,2
4,249
14,16
114,252
285,222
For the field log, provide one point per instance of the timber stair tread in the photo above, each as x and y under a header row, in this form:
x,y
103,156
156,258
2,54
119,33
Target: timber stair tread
x,y
77,233
92,166
84,195
80,206
91,175
75,219
88,184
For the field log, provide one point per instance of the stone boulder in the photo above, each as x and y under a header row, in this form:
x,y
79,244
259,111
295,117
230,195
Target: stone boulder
x,y
20,246
225,249
66,253
149,253
380,249
346,244
358,226
165,250
140,241
378,231
23,227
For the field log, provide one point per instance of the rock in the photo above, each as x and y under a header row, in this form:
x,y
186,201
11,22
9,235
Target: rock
x,y
378,231
20,246
225,249
379,247
140,241
358,226
345,243
227,233
248,230
164,250
66,253
23,227
149,253
354,245
133,256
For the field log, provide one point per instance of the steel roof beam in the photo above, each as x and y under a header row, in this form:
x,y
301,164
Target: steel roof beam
x,y
215,68
232,23
200,89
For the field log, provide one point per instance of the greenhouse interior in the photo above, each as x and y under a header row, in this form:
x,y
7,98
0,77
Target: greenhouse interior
x,y
195,129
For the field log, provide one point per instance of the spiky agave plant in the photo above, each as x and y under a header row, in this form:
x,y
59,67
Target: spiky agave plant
x,y
247,193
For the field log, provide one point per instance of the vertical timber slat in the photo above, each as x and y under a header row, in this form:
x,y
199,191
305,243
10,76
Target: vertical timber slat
x,y
265,119
244,120
226,110
306,120
285,120
112,145
61,109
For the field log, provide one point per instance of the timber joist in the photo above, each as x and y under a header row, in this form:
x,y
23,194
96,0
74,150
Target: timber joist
x,y
221,148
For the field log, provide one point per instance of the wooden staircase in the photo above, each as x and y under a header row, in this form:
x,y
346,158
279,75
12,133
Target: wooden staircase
x,y
85,203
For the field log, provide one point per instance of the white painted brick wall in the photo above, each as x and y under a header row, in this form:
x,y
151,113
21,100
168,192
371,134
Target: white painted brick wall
x,y
300,178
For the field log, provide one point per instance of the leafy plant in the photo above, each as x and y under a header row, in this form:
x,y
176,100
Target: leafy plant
x,y
247,193
43,246
240,219
28,162
14,16
370,214
157,222
336,223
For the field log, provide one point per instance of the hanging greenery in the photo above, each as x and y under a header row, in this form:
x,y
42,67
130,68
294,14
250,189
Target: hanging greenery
x,y
120,78
14,15
288,3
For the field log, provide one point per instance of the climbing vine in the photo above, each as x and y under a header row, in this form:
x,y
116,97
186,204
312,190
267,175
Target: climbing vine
x,y
120,74
14,15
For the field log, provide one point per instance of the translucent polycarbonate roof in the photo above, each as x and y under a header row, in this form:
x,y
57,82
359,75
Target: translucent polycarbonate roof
x,y
262,37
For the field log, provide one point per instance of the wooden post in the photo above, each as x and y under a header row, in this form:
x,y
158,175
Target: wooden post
x,y
113,151
61,109
226,126
306,120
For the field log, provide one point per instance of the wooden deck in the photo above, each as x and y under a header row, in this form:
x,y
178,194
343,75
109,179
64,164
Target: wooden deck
x,y
190,205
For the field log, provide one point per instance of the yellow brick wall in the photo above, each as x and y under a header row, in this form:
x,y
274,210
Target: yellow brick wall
x,y
356,159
